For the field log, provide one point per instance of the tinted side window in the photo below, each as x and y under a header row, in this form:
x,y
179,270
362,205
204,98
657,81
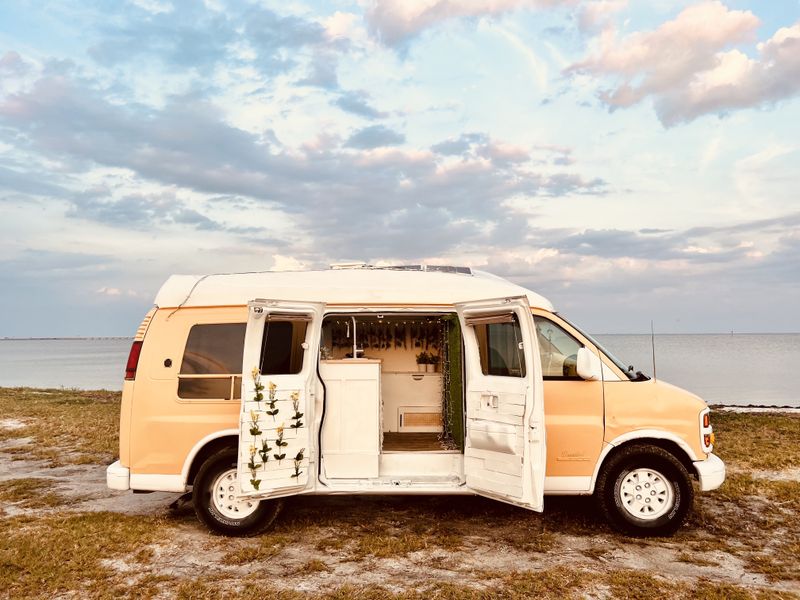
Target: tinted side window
x,y
499,346
558,350
214,349
281,347
212,362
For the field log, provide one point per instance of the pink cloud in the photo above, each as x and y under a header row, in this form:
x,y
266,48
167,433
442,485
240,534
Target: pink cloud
x,y
395,21
689,68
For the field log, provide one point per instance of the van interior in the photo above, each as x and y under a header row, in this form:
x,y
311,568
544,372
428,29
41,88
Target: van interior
x,y
394,401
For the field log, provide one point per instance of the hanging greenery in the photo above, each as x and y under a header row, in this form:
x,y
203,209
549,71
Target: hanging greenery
x,y
423,333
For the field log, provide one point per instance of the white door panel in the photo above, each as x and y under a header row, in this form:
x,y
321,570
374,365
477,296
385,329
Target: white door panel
x,y
504,454
277,445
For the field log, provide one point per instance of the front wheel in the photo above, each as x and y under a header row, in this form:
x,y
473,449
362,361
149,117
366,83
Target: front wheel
x,y
215,503
644,491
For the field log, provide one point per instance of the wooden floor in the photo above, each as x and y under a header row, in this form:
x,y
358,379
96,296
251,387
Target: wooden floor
x,y
411,442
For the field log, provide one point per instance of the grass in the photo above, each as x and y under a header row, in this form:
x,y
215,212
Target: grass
x,y
555,583
46,556
56,420
260,549
31,492
768,441
62,553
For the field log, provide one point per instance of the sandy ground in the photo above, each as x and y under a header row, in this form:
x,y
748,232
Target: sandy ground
x,y
192,552
492,538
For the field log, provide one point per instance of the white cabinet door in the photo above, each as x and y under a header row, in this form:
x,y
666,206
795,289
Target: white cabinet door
x,y
277,442
504,454
351,429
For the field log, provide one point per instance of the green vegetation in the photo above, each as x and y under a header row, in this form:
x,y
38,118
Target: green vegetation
x,y
758,440
59,553
56,420
31,492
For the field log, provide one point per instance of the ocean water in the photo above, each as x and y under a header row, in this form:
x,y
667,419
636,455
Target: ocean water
x,y
748,368
735,369
85,363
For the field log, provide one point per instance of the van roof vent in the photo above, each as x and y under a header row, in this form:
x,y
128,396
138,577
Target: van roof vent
x,y
428,268
350,265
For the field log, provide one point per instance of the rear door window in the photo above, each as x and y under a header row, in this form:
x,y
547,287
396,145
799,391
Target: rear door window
x,y
282,349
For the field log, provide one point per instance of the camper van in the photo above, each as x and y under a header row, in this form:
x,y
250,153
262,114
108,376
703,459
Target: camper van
x,y
248,388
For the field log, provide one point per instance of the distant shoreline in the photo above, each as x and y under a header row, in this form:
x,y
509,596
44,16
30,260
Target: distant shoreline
x,y
50,339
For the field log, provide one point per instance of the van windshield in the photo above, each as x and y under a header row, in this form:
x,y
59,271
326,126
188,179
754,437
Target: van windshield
x,y
629,370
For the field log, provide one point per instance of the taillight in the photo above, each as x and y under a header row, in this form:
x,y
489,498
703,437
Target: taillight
x,y
133,361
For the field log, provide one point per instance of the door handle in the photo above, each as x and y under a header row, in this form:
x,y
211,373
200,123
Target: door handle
x,y
490,401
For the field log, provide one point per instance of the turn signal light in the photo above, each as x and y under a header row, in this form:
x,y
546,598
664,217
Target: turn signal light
x,y
706,420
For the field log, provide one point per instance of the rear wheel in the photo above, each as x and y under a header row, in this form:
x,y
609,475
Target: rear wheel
x,y
644,491
215,503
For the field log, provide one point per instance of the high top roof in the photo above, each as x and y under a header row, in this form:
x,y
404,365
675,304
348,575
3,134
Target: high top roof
x,y
346,287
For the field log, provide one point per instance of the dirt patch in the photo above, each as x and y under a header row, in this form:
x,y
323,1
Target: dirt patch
x,y
11,424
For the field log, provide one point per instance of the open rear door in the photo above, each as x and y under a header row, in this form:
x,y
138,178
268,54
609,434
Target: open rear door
x,y
504,453
277,445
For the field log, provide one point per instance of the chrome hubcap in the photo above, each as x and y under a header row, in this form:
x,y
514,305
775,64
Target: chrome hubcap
x,y
646,494
223,494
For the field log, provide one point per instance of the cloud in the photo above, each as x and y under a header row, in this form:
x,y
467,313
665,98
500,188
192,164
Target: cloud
x,y
108,291
322,71
11,63
738,81
375,136
357,103
684,66
595,15
395,22
374,195
191,36
137,211
27,182
460,145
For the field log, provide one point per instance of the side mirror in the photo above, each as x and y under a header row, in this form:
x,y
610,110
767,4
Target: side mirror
x,y
588,365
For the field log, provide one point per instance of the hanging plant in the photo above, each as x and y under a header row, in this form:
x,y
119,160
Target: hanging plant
x,y
297,460
265,450
272,400
279,456
259,387
254,429
297,414
253,466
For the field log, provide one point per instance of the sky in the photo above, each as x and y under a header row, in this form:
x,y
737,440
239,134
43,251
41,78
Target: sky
x,y
629,160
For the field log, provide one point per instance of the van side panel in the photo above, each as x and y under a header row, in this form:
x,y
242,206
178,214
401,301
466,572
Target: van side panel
x,y
163,427
125,420
127,399
654,406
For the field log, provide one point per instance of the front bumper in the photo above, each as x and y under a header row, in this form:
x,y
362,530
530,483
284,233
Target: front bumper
x,y
118,477
710,472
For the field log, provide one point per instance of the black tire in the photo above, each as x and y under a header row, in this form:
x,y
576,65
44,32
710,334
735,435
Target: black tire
x,y
257,521
663,482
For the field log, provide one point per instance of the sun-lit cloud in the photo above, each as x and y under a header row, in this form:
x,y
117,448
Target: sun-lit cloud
x,y
396,21
690,67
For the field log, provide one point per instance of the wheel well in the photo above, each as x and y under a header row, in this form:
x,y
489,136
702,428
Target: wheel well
x,y
212,447
667,445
